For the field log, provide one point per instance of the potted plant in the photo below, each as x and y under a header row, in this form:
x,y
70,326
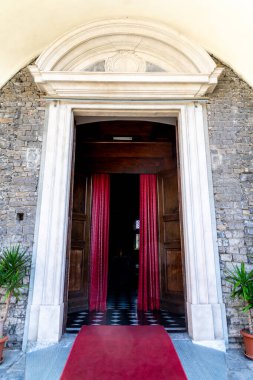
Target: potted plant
x,y
14,264
242,288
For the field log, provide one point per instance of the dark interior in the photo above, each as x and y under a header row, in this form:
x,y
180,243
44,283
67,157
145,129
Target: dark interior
x,y
123,252
124,150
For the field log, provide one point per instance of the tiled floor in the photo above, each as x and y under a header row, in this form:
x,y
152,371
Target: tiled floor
x,y
123,311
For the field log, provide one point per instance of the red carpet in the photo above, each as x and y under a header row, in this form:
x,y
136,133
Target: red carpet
x,y
123,353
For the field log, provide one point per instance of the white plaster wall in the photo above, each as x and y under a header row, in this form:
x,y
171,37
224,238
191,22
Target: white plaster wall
x,y
223,27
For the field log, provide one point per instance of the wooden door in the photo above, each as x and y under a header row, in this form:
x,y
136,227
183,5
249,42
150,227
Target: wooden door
x,y
171,277
80,244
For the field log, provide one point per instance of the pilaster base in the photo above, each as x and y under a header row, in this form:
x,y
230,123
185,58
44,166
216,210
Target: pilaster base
x,y
46,323
205,323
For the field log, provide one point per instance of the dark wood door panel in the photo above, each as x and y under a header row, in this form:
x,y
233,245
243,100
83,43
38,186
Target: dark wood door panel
x,y
125,157
78,228
172,290
174,270
171,231
80,244
125,149
75,272
125,165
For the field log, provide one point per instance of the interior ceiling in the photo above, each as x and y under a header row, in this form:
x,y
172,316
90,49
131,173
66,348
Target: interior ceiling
x,y
136,130
222,27
152,148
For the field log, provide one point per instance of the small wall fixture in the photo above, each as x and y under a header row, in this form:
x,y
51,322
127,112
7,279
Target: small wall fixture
x,y
20,216
121,138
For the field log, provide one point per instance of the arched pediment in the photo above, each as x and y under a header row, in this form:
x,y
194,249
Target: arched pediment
x,y
129,51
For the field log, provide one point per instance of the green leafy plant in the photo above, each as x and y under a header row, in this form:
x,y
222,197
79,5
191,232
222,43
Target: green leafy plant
x,y
242,288
14,264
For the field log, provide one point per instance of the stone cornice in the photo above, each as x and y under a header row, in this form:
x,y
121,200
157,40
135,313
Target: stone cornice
x,y
128,85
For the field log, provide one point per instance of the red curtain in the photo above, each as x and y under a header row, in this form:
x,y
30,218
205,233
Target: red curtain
x,y
99,241
148,290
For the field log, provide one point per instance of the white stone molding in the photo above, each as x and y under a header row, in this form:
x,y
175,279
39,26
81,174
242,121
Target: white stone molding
x,y
125,61
205,307
94,85
127,47
47,302
85,45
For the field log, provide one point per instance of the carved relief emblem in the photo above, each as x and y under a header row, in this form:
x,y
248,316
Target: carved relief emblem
x,y
125,62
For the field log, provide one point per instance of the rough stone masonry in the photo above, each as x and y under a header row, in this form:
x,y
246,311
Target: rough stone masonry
x,y
230,123
22,113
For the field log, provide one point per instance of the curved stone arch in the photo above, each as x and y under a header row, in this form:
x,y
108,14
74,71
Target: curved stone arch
x,y
140,35
128,48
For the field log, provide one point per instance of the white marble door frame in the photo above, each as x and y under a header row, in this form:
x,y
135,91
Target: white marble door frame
x,y
205,309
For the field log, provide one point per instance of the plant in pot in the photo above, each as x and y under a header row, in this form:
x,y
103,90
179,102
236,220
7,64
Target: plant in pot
x,y
242,288
14,264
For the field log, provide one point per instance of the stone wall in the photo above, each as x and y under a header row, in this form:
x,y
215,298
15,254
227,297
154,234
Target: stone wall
x,y
22,113
230,121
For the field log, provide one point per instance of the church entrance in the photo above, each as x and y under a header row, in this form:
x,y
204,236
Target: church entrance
x,y
125,151
161,78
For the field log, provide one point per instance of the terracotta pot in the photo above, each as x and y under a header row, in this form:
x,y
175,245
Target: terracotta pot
x,y
2,343
248,343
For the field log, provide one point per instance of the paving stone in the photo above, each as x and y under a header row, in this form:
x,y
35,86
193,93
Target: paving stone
x,y
243,374
13,367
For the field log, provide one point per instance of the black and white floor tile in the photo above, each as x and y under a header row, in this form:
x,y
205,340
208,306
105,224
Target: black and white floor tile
x,y
124,312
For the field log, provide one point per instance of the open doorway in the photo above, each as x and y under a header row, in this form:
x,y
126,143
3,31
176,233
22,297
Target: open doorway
x,y
124,149
123,241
